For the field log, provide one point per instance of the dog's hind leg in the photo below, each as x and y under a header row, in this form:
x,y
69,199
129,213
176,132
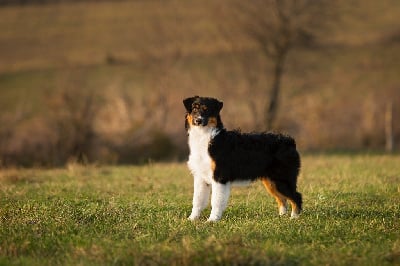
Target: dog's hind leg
x,y
296,203
280,199
292,196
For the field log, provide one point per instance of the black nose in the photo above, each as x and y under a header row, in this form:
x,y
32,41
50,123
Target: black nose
x,y
198,121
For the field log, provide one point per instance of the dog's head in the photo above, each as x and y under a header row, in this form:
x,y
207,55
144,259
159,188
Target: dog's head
x,y
202,111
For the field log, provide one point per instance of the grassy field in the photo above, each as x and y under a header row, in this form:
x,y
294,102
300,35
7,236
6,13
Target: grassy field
x,y
137,215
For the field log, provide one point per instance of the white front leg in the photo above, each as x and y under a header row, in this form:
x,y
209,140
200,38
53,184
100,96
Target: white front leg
x,y
219,200
201,196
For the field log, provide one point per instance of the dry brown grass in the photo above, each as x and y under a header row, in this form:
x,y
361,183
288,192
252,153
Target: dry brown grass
x,y
142,58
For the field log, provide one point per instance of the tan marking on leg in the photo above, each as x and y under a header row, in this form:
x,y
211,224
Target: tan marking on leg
x,y
213,165
295,209
280,199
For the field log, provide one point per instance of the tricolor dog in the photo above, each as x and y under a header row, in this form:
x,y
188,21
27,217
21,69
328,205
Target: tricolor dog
x,y
220,158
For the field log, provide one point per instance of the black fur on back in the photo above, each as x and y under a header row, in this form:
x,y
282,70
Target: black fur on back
x,y
249,156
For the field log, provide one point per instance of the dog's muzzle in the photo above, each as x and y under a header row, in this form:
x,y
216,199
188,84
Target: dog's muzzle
x,y
199,121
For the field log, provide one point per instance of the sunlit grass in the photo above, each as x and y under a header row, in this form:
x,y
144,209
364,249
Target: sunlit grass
x,y
137,214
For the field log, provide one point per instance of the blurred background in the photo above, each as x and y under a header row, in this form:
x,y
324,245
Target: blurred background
x,y
103,81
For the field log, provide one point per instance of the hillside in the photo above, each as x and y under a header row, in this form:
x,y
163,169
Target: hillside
x,y
111,76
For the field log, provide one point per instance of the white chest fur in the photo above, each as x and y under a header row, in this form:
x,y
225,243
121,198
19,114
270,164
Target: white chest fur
x,y
199,159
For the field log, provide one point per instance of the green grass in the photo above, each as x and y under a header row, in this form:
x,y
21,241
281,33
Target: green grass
x,y
137,215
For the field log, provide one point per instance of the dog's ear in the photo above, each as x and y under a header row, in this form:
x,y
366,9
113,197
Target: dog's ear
x,y
188,103
219,105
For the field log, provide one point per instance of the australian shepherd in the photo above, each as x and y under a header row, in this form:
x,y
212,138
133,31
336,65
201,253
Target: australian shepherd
x,y
220,158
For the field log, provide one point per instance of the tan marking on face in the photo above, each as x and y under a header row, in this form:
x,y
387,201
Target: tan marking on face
x,y
212,122
189,119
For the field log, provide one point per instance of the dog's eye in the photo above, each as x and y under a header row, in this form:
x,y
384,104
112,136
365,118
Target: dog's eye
x,y
204,108
195,109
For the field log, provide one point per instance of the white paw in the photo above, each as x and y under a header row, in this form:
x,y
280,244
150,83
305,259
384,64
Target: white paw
x,y
193,217
282,210
213,218
294,215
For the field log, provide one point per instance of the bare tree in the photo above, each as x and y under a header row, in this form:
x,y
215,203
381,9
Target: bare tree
x,y
278,26
74,111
